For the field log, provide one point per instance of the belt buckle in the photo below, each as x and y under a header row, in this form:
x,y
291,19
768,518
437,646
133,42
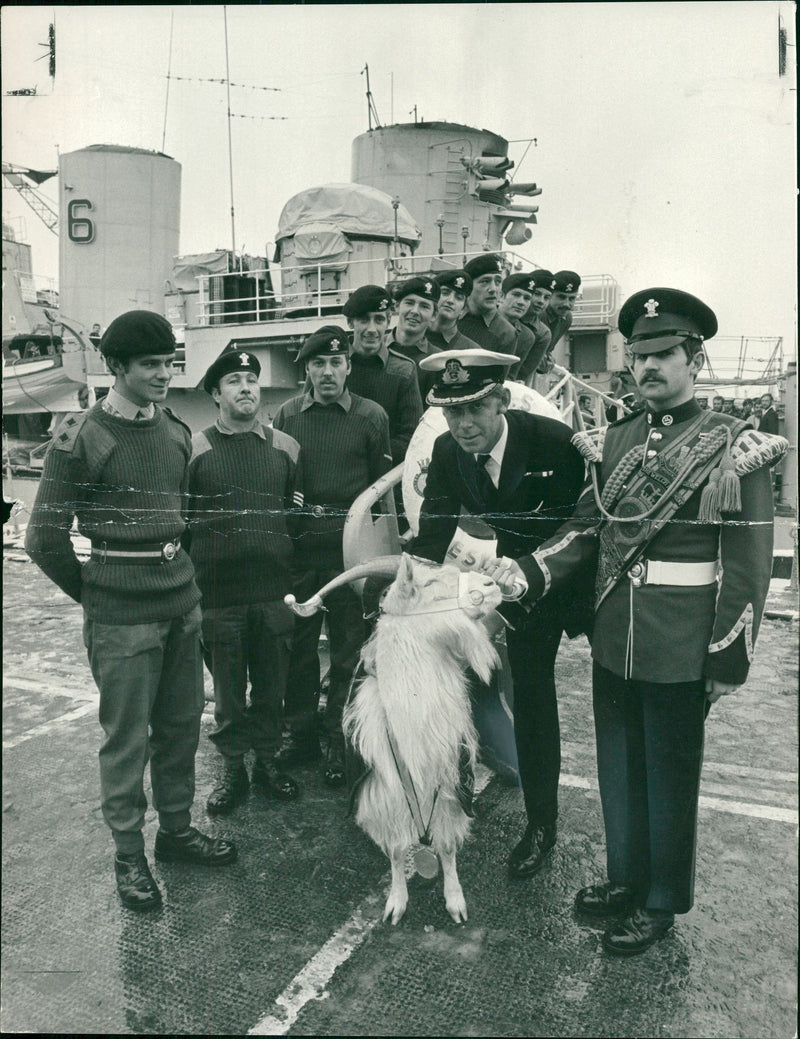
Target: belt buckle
x,y
169,551
317,511
103,551
638,574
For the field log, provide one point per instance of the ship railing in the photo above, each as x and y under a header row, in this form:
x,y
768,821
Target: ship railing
x,y
279,292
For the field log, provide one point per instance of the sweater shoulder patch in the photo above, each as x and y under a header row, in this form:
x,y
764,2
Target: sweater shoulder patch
x,y
176,419
66,435
283,442
200,444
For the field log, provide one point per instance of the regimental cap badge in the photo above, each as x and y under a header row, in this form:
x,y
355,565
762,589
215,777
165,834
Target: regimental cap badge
x,y
428,288
459,283
335,345
499,265
651,306
531,285
569,287
383,305
455,373
245,359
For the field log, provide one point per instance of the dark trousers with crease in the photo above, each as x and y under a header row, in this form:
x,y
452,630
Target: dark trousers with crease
x,y
346,634
532,650
649,757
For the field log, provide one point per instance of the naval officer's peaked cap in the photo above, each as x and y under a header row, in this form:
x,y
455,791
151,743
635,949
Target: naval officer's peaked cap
x,y
658,319
465,375
227,362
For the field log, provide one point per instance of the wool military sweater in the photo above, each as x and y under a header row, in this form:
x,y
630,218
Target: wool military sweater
x,y
126,483
244,489
390,381
345,448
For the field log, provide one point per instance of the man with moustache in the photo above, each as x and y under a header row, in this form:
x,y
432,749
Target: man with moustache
x,y
558,312
344,440
539,359
121,469
517,303
245,483
677,517
378,372
482,321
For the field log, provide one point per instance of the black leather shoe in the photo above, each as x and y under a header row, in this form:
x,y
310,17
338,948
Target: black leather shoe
x,y
532,851
605,900
230,789
637,932
334,774
269,779
298,750
193,846
135,885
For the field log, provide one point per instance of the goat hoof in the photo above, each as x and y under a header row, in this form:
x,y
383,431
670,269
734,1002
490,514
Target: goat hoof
x,y
394,910
457,908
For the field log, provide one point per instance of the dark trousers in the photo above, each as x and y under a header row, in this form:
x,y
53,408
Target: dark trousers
x,y
532,649
649,757
240,642
150,678
346,634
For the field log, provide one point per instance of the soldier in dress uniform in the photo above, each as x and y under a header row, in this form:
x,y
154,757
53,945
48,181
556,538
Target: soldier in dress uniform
x,y
677,515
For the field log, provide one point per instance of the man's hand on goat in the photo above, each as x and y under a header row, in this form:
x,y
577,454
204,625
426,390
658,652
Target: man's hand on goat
x,y
508,576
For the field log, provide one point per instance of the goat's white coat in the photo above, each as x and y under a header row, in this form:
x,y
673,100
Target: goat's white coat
x,y
416,684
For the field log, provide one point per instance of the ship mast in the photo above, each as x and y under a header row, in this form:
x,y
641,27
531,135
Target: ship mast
x,y
230,145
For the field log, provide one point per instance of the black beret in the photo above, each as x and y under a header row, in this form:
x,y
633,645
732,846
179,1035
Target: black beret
x,y
465,375
424,287
227,362
658,319
460,281
488,263
367,300
566,281
330,339
137,333
519,281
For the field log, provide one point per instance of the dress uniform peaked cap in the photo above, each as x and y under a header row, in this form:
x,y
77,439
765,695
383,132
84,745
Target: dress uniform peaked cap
x,y
458,280
227,362
329,340
488,263
658,319
465,375
367,300
137,333
424,287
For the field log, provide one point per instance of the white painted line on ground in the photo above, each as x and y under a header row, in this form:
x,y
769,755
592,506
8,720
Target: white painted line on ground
x,y
312,980
716,804
47,727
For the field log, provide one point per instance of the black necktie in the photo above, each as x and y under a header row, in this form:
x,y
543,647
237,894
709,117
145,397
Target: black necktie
x,y
486,489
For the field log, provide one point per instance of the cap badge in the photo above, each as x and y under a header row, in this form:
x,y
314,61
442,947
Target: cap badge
x,y
531,286
384,303
459,283
570,287
455,372
334,344
651,306
244,359
428,287
499,265
553,284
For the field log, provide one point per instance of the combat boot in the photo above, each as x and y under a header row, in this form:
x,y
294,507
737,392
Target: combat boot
x,y
230,788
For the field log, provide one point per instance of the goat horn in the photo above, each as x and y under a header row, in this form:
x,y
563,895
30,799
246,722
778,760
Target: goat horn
x,y
382,566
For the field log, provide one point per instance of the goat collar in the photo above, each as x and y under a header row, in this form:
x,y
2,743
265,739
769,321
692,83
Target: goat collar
x,y
461,597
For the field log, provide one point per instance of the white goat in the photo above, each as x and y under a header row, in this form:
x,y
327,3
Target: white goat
x,y
415,688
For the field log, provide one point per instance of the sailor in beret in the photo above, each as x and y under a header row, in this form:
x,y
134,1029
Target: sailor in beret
x,y
518,292
416,303
230,361
539,357
344,441
137,333
443,334
558,312
676,517
378,372
520,473
482,321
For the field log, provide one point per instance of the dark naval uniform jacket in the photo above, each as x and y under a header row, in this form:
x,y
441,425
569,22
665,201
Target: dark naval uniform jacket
x,y
540,481
648,626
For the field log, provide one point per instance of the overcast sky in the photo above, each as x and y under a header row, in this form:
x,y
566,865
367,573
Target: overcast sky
x,y
665,136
